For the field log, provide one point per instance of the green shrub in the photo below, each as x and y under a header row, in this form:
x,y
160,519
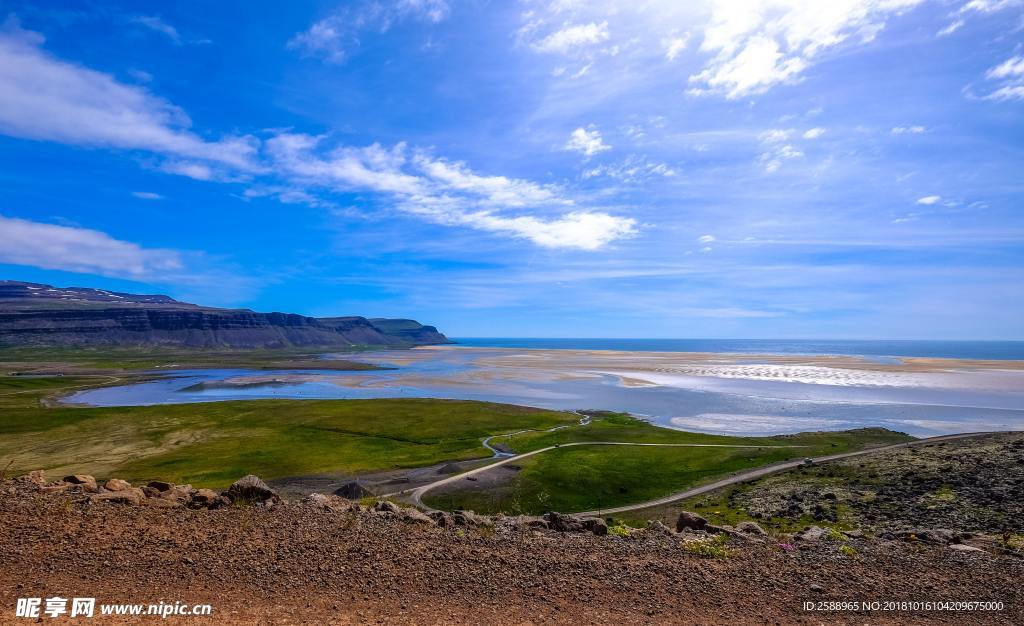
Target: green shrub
x,y
714,548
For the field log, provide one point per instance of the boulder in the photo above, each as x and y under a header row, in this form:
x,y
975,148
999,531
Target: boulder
x,y
325,503
250,489
812,534
162,503
564,523
132,496
961,547
690,521
159,485
88,483
352,491
116,484
36,477
441,518
596,526
469,518
181,493
750,528
415,517
658,528
386,506
207,499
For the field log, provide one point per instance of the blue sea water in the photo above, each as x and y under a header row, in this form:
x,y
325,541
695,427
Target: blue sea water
x,y
889,348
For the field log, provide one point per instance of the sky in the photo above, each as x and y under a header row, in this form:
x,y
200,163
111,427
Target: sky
x,y
560,168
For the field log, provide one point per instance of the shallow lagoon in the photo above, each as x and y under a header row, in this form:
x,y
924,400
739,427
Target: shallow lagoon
x,y
722,403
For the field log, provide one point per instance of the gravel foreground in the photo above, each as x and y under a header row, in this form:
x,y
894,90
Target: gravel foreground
x,y
303,563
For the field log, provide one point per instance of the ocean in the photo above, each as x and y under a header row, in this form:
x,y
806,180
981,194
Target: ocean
x,y
888,348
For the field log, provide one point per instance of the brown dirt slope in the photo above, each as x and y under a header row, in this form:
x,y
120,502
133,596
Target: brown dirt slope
x,y
296,563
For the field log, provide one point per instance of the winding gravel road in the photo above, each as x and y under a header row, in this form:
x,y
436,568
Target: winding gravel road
x,y
416,495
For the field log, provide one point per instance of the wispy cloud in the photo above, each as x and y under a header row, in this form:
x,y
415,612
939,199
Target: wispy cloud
x,y
54,247
449,193
158,25
908,130
929,200
572,37
147,195
46,98
1010,76
335,37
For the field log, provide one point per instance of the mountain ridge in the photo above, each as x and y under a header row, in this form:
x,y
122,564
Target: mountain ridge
x,y
37,314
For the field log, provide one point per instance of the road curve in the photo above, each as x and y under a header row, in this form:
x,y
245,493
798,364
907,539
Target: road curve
x,y
765,471
416,494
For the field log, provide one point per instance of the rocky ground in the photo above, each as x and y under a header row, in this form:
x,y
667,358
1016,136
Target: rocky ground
x,y
324,559
972,485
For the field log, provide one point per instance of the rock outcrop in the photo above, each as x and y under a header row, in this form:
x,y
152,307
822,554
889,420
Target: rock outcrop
x,y
36,314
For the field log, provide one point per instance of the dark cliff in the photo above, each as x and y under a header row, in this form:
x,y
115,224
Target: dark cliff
x,y
33,314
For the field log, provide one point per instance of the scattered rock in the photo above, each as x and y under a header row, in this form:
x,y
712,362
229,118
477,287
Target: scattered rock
x,y
116,484
441,518
251,489
36,477
690,521
159,485
87,482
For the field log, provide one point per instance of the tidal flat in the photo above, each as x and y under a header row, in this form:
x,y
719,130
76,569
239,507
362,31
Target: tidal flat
x,y
742,394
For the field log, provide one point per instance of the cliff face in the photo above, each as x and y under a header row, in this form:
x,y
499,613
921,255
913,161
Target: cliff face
x,y
32,314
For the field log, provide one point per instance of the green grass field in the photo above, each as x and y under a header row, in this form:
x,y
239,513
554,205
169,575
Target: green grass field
x,y
582,478
212,444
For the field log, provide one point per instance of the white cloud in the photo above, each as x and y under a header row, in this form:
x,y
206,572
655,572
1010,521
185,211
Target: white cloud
x,y
929,200
674,46
951,28
989,6
156,24
446,192
586,142
147,195
706,238
333,38
814,133
632,169
46,98
777,150
571,37
53,247
759,44
1010,76
908,130
1010,68
198,171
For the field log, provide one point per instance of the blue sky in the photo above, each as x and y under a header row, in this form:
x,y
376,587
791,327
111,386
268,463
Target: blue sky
x,y
717,168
